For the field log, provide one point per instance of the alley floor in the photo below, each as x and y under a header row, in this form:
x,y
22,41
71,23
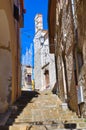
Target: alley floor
x,y
42,111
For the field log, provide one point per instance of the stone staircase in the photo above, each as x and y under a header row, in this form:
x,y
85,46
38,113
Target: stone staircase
x,y
45,112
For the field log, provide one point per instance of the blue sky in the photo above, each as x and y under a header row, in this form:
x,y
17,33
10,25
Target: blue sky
x,y
32,7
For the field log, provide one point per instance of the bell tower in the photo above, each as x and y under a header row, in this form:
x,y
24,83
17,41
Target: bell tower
x,y
38,23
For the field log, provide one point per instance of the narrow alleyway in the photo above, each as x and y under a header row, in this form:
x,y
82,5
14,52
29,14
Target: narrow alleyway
x,y
42,111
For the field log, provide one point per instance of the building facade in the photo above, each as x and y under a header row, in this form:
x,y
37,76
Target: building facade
x,y
80,12
68,34
9,51
26,77
44,62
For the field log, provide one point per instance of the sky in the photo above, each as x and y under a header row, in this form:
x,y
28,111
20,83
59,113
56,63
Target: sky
x,y
32,7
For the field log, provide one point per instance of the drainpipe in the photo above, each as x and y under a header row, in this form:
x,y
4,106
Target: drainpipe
x,y
64,80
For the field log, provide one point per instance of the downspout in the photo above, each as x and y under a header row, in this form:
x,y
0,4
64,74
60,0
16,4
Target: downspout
x,y
64,81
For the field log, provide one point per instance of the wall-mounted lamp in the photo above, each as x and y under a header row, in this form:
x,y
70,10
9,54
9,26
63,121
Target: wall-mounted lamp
x,y
65,37
42,40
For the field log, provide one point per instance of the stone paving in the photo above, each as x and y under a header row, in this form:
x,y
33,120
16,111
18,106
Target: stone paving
x,y
45,112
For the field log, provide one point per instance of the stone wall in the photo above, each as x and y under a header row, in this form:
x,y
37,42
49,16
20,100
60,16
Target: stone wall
x,y
60,79
43,61
81,23
5,63
5,74
48,63
37,69
52,71
9,58
65,38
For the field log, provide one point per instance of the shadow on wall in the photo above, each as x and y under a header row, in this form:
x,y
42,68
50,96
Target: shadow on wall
x,y
55,89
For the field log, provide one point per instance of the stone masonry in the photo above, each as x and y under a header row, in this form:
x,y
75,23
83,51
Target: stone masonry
x,y
65,38
81,28
44,112
43,60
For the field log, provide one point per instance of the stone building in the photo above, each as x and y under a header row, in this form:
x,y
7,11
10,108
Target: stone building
x,y
48,70
67,33
80,13
37,51
44,62
26,77
10,14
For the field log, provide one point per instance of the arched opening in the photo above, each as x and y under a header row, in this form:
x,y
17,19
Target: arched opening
x,y
47,80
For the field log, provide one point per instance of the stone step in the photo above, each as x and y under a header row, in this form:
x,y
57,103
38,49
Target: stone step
x,y
60,123
22,127
48,113
47,126
45,113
